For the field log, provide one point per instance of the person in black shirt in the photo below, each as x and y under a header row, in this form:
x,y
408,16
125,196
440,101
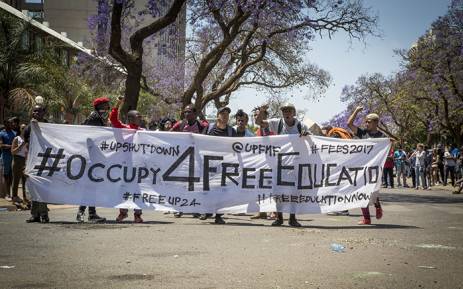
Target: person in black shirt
x,y
371,131
220,128
98,117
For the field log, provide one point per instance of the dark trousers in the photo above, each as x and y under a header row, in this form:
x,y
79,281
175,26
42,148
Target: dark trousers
x,y
449,170
19,163
91,210
412,175
388,175
39,209
280,216
441,172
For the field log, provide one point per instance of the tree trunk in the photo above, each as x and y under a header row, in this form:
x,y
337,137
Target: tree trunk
x,y
132,89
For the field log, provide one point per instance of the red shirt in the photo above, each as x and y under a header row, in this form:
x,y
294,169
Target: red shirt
x,y
190,128
115,122
389,164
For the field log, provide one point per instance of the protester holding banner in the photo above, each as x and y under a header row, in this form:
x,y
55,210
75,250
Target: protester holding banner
x,y
98,117
220,128
288,124
241,127
337,132
371,131
263,130
134,121
39,210
190,123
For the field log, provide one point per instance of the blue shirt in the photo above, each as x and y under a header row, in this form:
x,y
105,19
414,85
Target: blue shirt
x,y
399,157
7,138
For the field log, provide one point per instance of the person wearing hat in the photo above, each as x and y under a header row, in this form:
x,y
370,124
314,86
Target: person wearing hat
x,y
370,131
98,117
220,128
39,210
288,124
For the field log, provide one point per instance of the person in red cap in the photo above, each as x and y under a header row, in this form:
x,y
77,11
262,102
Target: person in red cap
x,y
98,117
134,121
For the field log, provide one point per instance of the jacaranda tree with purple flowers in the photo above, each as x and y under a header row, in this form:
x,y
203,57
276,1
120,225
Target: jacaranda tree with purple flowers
x,y
230,44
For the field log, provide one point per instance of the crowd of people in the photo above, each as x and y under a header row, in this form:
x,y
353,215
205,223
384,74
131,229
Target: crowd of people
x,y
424,167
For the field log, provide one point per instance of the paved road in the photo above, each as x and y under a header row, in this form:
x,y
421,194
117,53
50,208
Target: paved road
x,y
417,244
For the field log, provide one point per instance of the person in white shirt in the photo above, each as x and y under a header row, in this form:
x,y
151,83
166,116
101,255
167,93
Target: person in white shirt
x,y
420,156
19,152
288,124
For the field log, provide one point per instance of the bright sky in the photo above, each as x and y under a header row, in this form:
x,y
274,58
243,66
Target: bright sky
x,y
402,22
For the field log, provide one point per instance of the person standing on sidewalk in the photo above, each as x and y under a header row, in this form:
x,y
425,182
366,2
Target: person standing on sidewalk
x,y
6,139
400,158
98,117
419,156
371,131
134,121
19,152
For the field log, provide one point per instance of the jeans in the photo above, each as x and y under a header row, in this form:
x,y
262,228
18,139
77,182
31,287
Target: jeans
x,y
19,164
420,174
451,170
401,171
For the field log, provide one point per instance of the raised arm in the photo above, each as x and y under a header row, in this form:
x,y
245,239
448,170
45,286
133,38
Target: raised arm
x,y
259,115
353,116
114,115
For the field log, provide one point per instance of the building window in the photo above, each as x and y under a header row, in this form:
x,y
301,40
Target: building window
x,y
34,1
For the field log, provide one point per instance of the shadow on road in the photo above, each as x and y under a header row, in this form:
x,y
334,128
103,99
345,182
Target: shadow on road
x,y
412,198
105,225
373,226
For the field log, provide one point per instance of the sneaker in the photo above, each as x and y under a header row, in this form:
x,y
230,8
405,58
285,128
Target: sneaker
x,y
294,223
203,217
365,222
80,217
379,213
96,219
219,220
196,215
45,219
277,222
16,200
33,219
137,218
178,214
121,217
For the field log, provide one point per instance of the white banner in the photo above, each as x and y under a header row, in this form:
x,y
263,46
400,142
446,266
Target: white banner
x,y
191,173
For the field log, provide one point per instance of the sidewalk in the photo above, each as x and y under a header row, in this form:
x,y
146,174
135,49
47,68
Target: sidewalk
x,y
6,205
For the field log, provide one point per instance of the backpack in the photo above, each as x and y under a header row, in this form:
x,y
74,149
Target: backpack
x,y
280,126
342,133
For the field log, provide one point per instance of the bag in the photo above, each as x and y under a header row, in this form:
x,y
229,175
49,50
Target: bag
x,y
340,133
